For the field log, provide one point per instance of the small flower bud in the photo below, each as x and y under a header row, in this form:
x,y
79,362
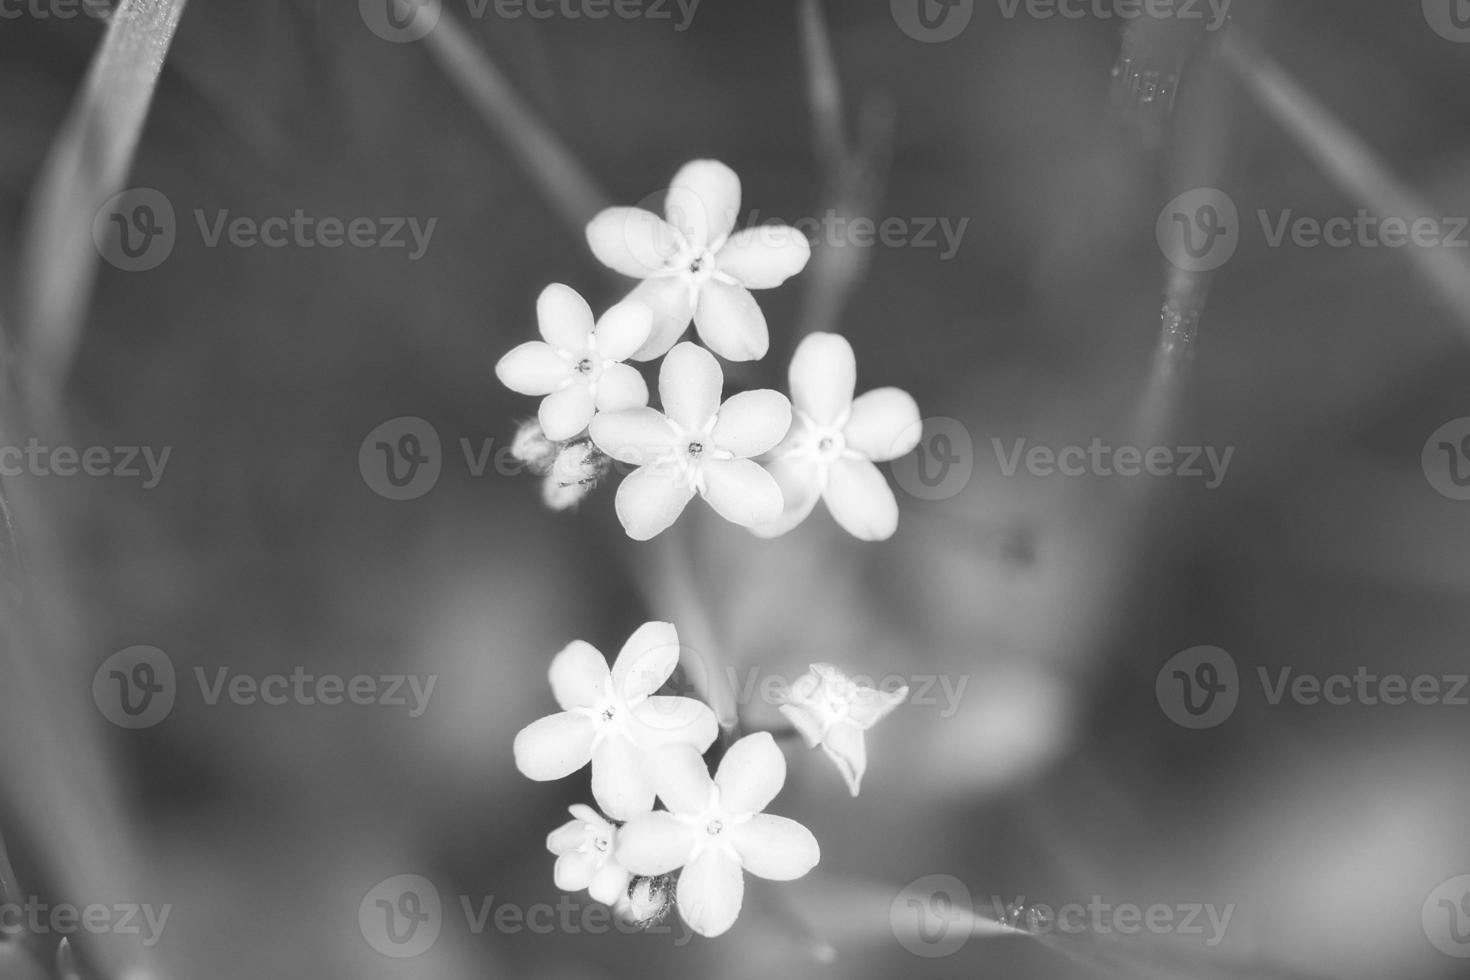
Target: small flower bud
x,y
531,447
576,470
648,901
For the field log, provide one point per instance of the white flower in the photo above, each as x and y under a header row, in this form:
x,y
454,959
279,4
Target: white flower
x,y
832,710
612,719
699,446
584,856
835,440
579,365
714,829
692,266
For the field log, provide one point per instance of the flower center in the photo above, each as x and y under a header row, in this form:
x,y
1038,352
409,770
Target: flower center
x,y
608,714
601,843
714,828
696,450
584,366
829,444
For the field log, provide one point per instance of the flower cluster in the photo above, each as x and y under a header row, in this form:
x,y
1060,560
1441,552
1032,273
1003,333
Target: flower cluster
x,y
645,747
759,459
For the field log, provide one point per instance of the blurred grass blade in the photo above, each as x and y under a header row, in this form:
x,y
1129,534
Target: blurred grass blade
x,y
1350,163
87,165
545,159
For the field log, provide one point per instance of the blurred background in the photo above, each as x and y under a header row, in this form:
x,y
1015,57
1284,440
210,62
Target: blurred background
x,y
1050,603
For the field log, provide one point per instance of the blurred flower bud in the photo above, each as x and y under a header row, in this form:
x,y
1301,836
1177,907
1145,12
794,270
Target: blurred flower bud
x,y
575,471
648,900
531,447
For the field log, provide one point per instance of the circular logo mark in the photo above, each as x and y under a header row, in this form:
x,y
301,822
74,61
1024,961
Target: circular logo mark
x,y
1450,19
1446,459
933,916
942,461
135,688
1199,687
135,230
1446,917
401,916
401,21
1199,230
932,21
401,458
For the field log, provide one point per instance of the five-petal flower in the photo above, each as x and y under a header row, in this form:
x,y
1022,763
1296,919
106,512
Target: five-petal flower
x,y
696,445
578,366
693,267
613,719
835,440
832,710
715,830
584,856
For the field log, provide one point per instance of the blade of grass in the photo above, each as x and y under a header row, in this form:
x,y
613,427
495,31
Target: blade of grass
x,y
87,165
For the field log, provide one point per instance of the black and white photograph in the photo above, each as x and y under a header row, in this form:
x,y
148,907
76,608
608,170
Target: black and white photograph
x,y
735,489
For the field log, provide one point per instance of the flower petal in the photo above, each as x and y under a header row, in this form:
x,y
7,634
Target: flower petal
x,y
555,746
568,837
870,705
564,317
619,783
533,368
640,436
689,385
711,888
681,779
846,746
653,844
751,774
620,388
799,478
623,329
884,424
730,321
703,202
741,492
766,256
632,241
823,374
806,720
578,676
650,499
860,500
669,720
775,848
646,660
672,303
565,413
752,422
574,871
609,884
